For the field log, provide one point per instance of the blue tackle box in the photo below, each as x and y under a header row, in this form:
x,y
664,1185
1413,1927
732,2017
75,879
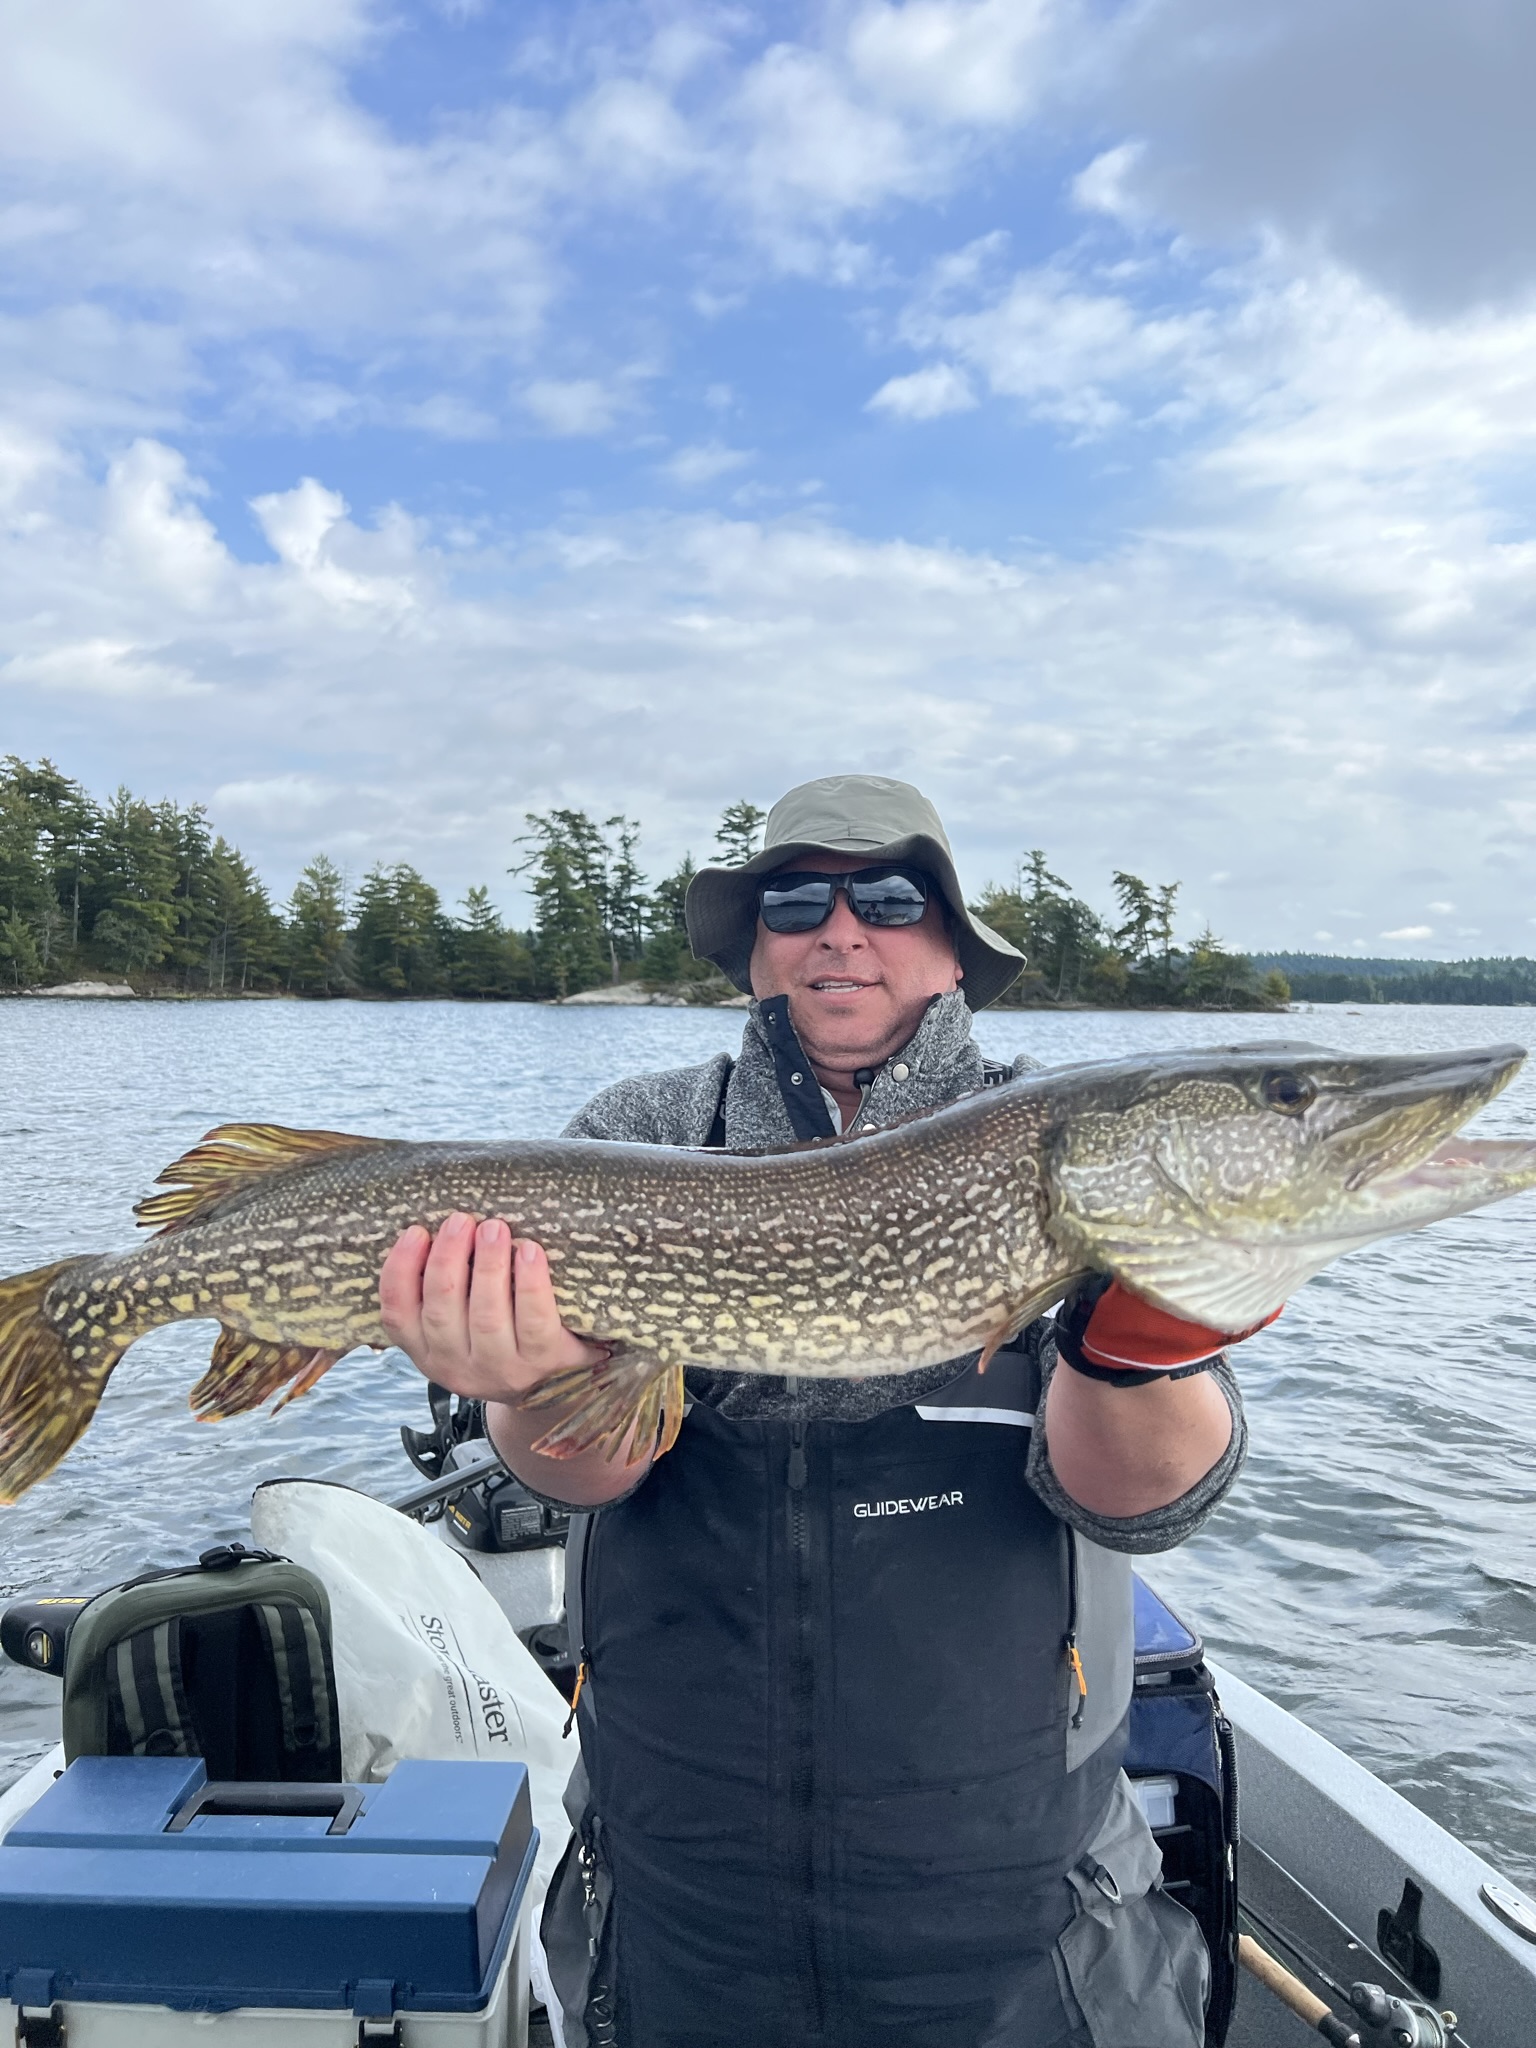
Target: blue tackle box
x,y
134,1882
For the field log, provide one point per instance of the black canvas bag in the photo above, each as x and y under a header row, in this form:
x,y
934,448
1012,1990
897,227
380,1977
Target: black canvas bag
x,y
228,1659
1177,1730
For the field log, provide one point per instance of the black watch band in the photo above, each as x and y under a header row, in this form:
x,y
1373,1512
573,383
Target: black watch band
x,y
1130,1375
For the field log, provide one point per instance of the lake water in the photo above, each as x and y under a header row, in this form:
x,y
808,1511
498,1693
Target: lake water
x,y
1375,1569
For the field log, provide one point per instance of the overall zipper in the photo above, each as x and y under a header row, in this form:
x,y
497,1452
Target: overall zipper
x,y
583,1656
802,1733
1069,1645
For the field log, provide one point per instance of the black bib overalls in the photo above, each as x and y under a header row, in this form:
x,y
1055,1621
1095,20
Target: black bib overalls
x,y
825,1733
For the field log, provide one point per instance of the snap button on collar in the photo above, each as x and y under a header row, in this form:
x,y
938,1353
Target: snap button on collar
x,y
900,1071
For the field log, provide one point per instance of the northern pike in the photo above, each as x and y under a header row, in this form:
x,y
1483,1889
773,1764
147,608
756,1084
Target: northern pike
x,y
1211,1182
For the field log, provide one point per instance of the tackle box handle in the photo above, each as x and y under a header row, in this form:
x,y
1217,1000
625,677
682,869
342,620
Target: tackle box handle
x,y
342,1802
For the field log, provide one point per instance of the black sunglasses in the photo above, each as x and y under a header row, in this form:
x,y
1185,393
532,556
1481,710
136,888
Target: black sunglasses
x,y
798,902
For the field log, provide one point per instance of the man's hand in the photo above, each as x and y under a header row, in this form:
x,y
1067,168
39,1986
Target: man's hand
x,y
488,1329
475,1310
1127,1431
1106,1325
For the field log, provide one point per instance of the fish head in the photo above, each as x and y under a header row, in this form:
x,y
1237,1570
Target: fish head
x,y
1214,1183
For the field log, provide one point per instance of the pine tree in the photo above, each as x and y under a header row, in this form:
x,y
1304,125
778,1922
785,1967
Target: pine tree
x,y
738,833
246,941
317,931
668,957
567,872
1136,933
625,907
132,877
66,822
25,892
396,938
488,960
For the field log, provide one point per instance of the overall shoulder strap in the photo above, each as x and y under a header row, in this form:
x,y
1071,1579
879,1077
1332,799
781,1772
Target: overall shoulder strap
x,y
715,1142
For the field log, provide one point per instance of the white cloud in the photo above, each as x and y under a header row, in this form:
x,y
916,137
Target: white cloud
x,y
629,130
1441,909
981,61
1105,186
704,464
925,394
1411,931
458,687
811,147
277,799
573,406
102,668
1072,352
337,562
156,532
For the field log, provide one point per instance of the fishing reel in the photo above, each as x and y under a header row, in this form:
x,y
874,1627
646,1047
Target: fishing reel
x,y
1383,2020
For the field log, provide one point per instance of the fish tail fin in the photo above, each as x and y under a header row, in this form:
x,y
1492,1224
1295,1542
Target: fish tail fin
x,y
54,1362
623,1404
243,1371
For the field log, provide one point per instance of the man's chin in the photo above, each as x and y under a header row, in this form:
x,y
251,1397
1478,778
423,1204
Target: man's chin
x,y
857,1006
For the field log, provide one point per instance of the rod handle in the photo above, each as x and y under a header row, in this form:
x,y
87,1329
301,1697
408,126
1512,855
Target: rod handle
x,y
1293,1993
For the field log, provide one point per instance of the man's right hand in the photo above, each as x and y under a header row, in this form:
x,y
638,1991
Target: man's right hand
x,y
474,1309
490,1329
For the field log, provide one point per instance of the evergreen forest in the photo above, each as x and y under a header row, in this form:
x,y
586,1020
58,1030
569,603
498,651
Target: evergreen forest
x,y
152,895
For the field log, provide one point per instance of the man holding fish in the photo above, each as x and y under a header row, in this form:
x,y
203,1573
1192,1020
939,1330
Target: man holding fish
x,y
856,1656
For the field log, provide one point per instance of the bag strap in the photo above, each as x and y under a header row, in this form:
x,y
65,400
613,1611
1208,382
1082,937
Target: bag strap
x,y
146,1701
224,1557
306,1685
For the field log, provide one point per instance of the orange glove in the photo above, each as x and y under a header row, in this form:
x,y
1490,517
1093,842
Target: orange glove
x,y
1109,1333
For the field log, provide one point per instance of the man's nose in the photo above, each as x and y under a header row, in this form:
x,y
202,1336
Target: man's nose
x,y
842,929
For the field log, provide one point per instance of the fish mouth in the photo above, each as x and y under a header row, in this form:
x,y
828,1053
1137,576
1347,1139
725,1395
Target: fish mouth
x,y
1395,1113
1457,1171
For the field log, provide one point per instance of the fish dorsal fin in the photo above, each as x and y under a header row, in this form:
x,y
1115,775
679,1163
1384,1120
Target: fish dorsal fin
x,y
231,1158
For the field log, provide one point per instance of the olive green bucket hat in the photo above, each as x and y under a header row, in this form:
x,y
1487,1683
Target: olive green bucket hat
x,y
861,814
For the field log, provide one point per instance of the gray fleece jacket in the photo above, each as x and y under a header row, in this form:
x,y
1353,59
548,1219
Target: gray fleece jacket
x,y
942,1063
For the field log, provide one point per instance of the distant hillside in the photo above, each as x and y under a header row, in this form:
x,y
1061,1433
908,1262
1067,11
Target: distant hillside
x,y
1339,978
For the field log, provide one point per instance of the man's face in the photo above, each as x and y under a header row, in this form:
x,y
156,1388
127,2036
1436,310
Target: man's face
x,y
856,992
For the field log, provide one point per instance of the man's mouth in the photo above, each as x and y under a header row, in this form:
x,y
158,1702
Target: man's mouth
x,y
830,987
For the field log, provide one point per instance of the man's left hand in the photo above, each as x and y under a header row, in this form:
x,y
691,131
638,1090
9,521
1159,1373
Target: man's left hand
x,y
1110,1327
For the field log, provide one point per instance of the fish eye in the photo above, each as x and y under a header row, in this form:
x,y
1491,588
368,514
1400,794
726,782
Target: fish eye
x,y
1289,1093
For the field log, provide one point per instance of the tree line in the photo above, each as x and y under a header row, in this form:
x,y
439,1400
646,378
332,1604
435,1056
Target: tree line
x,y
1324,978
152,893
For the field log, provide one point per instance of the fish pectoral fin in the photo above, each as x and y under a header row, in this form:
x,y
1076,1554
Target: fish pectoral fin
x,y
244,1371
625,1403
228,1159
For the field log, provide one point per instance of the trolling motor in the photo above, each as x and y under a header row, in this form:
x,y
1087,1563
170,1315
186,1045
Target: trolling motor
x,y
491,1510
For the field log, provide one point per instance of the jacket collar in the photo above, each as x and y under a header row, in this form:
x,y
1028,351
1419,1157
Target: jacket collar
x,y
775,1099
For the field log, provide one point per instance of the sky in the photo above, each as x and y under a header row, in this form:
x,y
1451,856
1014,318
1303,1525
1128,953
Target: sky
x,y
1118,419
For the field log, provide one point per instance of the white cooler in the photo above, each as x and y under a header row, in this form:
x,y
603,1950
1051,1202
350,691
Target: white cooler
x,y
141,1905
